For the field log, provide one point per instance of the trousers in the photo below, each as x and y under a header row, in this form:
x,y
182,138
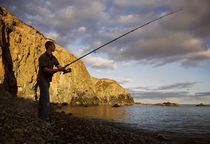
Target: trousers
x,y
44,100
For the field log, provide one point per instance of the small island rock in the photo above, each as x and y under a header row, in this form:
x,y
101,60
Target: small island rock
x,y
201,104
167,104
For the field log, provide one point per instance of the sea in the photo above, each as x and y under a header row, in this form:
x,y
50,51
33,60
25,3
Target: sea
x,y
177,122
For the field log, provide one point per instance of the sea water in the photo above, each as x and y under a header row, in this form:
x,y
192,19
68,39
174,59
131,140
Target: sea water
x,y
183,120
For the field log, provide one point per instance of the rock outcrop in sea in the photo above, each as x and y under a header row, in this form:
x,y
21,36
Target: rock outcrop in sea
x,y
20,47
167,104
201,104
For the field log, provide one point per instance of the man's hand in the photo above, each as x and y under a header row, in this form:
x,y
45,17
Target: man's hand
x,y
53,71
61,69
67,71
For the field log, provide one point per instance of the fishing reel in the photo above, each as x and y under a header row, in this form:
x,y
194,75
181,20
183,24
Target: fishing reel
x,y
67,71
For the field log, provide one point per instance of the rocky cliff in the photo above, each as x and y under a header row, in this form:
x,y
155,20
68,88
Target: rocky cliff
x,y
20,47
106,90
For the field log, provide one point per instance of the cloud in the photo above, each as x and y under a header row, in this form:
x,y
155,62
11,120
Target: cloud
x,y
61,40
178,91
139,88
180,38
100,63
194,17
167,94
160,94
203,94
96,62
81,29
162,47
179,85
174,39
139,4
79,14
63,17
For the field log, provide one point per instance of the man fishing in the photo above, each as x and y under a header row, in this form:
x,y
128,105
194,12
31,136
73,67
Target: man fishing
x,y
47,61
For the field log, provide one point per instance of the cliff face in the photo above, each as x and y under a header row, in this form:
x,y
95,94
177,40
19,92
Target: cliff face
x,y
20,47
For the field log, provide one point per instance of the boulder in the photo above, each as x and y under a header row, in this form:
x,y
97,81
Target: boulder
x,y
115,105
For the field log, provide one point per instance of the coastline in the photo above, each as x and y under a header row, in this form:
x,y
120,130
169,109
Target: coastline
x,y
20,124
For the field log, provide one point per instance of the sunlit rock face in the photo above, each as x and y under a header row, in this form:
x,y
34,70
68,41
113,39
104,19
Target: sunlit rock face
x,y
110,92
20,48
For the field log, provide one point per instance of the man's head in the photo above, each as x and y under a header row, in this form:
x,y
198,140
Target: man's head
x,y
50,46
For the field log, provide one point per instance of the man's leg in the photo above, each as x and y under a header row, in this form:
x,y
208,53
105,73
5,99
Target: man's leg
x,y
44,100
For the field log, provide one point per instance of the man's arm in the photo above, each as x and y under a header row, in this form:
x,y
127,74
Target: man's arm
x,y
52,71
59,66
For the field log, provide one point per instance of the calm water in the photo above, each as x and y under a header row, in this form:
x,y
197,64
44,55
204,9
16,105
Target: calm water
x,y
184,119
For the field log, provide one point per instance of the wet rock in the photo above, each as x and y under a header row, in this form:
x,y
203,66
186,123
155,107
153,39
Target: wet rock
x,y
64,104
116,105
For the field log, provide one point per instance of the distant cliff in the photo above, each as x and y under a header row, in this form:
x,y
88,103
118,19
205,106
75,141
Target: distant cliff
x,y
20,47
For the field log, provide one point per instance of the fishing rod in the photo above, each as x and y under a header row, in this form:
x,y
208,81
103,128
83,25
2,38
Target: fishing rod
x,y
171,13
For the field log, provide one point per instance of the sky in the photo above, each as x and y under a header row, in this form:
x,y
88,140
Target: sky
x,y
168,60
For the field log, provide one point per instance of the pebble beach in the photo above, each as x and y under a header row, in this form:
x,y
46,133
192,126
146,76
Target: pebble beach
x,y
20,124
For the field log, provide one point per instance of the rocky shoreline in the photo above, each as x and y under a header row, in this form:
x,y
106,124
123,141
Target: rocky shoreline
x,y
20,124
